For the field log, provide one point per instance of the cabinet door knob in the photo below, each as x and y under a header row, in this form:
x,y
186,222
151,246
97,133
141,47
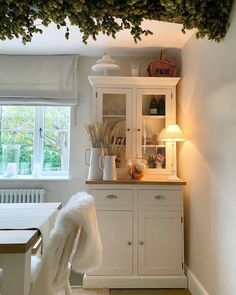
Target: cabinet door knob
x,y
129,243
128,129
138,129
141,243
159,197
111,197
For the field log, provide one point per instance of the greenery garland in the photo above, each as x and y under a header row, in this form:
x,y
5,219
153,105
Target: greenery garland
x,y
24,18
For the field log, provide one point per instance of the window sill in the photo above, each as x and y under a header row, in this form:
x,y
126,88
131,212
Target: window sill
x,y
31,178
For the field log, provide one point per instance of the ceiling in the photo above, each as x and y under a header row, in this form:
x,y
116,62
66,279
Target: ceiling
x,y
52,41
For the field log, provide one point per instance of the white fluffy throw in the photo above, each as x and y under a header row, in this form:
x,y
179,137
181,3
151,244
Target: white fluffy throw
x,y
87,255
75,238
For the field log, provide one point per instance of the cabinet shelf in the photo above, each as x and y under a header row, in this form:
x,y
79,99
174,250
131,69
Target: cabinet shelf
x,y
153,145
114,116
153,117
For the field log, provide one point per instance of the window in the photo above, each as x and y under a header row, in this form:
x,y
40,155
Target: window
x,y
34,141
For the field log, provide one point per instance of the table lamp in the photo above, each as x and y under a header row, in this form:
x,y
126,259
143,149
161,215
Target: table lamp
x,y
173,134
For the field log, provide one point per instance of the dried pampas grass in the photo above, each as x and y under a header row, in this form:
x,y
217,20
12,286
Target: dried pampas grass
x,y
101,135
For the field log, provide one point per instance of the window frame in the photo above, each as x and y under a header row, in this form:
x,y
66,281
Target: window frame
x,y
38,148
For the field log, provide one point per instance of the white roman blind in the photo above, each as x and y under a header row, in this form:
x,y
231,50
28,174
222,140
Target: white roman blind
x,y
38,80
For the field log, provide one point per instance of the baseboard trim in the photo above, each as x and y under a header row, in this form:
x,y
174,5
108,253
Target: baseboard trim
x,y
127,282
194,286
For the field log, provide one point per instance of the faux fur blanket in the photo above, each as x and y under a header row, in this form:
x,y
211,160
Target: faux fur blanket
x,y
75,238
87,253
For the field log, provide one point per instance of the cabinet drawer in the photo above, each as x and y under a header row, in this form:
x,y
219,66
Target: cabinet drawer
x,y
112,197
160,197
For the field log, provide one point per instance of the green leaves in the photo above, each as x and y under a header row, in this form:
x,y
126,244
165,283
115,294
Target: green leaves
x,y
18,18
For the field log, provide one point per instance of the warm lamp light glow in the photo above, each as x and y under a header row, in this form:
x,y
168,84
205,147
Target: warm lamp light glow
x,y
173,133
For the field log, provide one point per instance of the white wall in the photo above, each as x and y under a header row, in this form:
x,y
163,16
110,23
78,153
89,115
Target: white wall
x,y
207,115
62,190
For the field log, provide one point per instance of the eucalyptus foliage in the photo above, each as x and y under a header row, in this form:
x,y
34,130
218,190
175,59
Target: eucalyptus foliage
x,y
24,18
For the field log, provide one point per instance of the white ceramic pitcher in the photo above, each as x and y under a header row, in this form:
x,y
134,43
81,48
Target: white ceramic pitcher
x,y
108,165
95,172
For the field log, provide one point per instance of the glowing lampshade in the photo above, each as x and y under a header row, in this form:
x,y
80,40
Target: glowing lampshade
x,y
173,133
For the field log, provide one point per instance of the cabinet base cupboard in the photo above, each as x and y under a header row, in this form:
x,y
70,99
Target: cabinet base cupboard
x,y
141,227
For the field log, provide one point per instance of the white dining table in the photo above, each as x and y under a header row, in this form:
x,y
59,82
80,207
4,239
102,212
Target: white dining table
x,y
20,227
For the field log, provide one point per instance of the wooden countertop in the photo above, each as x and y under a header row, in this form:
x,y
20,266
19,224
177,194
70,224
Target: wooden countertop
x,y
141,182
20,224
17,241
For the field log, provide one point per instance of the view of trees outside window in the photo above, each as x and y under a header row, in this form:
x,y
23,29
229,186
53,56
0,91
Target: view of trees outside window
x,y
41,134
56,139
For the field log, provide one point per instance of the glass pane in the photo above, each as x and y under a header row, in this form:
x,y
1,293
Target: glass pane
x,y
26,158
16,140
114,113
56,139
153,124
55,154
114,104
17,117
57,118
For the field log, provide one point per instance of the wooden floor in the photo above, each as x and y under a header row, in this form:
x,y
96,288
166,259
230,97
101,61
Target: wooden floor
x,y
80,291
150,292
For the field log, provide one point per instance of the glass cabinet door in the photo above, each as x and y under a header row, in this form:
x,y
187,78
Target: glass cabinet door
x,y
154,113
113,107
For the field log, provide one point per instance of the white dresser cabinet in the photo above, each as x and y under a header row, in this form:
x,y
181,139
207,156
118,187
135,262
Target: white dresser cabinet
x,y
124,102
141,225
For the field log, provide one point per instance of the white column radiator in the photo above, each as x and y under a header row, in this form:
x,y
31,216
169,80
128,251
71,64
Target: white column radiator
x,y
22,195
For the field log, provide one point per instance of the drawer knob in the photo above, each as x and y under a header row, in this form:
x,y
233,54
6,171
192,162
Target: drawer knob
x,y
138,129
129,243
159,197
111,197
128,129
141,243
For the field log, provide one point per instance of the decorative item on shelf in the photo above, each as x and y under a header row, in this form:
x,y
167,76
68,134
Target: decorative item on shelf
x,y
120,129
146,133
96,132
111,145
162,68
157,139
151,163
108,166
94,169
161,107
105,64
36,170
173,134
157,160
153,106
135,69
10,159
136,168
160,160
